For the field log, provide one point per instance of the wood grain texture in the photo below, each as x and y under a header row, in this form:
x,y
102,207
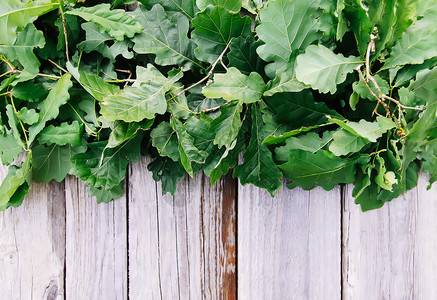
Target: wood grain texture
x,y
289,246
32,245
181,246
390,253
96,245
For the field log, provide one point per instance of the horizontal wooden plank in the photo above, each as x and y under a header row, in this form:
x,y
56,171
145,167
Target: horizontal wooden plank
x,y
289,246
32,245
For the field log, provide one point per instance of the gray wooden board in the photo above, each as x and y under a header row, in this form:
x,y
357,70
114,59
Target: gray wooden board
x,y
96,245
176,250
289,246
390,253
32,245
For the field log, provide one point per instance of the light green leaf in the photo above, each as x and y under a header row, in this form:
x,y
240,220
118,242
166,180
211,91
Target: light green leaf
x,y
285,81
143,100
232,5
13,123
287,26
92,83
368,130
15,185
123,131
166,37
49,108
53,162
418,43
235,86
22,50
187,7
165,140
214,28
345,142
323,69
9,148
258,166
322,168
28,116
189,153
385,179
310,142
281,138
242,55
227,124
65,134
14,14
425,90
361,89
115,22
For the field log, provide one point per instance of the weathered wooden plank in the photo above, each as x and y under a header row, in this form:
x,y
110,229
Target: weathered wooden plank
x,y
389,253
289,246
96,245
182,246
32,244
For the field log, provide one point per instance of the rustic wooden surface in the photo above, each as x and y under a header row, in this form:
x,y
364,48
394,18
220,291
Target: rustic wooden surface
x,y
216,242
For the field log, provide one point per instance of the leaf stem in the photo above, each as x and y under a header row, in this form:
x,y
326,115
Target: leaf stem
x,y
219,59
21,123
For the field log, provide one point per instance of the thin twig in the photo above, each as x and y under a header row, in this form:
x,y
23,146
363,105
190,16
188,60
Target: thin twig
x,y
57,66
207,110
65,30
370,47
123,71
209,73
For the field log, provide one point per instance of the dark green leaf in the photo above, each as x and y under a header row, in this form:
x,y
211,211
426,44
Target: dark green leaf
x,y
65,134
167,171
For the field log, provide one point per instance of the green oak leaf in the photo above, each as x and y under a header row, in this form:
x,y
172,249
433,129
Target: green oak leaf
x,y
233,85
22,50
29,91
9,148
296,110
323,69
64,134
13,123
275,138
310,142
287,26
167,171
49,107
122,131
345,142
258,166
405,73
285,81
96,41
92,83
103,167
166,37
165,140
189,153
106,196
418,43
232,5
242,55
227,125
307,169
16,14
143,100
371,131
115,22
15,185
28,116
187,7
214,27
424,88
53,161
